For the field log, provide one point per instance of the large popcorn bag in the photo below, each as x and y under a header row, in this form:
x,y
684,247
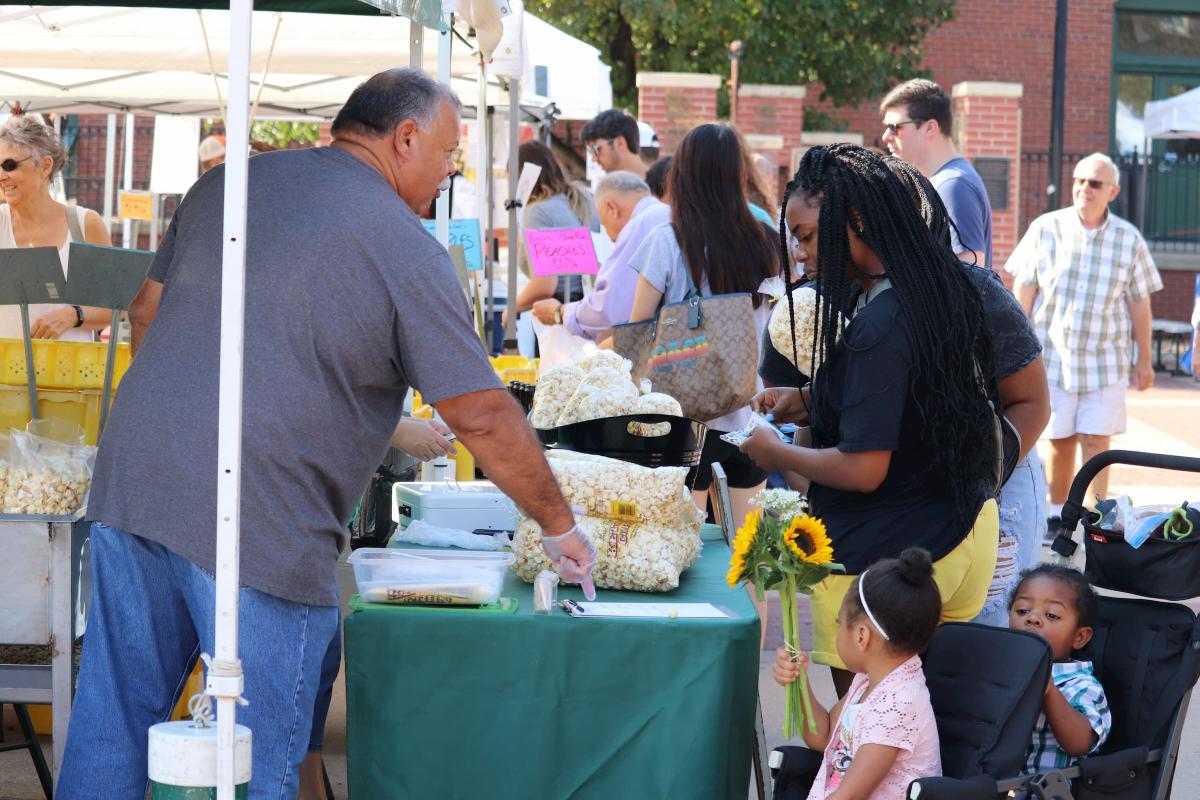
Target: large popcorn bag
x,y
44,476
603,487
642,521
629,556
554,388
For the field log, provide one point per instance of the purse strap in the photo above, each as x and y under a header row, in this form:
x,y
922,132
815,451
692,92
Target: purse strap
x,y
73,226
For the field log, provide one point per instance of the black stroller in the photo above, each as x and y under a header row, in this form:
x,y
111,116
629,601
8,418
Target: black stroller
x,y
986,684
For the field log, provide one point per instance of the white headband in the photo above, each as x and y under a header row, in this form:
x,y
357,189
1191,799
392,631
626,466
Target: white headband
x,y
862,598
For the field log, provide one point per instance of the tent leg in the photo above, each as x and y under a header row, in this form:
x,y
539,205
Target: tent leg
x,y
514,109
127,226
110,170
416,45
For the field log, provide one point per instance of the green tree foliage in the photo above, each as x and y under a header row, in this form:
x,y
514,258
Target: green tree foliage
x,y
855,48
283,134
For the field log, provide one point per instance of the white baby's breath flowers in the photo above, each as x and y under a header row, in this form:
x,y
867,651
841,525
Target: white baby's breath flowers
x,y
784,503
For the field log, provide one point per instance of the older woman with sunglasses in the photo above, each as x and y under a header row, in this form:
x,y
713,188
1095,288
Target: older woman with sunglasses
x,y
31,155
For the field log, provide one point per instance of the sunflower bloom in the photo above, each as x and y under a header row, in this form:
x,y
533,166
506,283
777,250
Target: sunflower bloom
x,y
808,540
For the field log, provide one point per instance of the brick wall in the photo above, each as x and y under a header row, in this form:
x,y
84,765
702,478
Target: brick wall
x,y
1013,42
1176,299
987,124
87,157
673,103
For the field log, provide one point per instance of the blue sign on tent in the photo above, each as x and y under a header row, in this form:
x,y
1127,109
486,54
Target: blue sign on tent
x,y
464,232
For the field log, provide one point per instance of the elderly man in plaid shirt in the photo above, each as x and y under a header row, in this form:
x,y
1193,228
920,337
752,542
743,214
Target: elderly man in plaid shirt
x,y
1085,276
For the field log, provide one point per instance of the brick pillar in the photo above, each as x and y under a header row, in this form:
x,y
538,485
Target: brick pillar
x,y
777,111
675,102
324,134
987,130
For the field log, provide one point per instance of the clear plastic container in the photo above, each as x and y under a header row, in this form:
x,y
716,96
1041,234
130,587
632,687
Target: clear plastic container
x,y
403,576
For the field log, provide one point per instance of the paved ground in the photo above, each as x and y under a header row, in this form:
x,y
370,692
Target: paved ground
x,y
1165,419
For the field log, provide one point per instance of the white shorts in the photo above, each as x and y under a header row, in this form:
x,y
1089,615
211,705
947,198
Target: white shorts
x,y
1100,412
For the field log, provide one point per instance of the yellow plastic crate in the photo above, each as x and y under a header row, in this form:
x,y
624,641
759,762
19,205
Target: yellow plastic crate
x,y
61,365
79,406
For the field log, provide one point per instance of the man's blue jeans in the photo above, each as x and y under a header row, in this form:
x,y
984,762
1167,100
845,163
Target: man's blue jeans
x,y
152,612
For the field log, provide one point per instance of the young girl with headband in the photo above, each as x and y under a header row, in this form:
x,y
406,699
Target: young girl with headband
x,y
882,734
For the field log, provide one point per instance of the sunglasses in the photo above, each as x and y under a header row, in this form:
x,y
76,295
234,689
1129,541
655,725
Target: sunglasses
x,y
594,149
10,164
1092,182
894,127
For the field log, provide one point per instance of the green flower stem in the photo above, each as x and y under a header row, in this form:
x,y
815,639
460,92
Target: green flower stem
x,y
797,706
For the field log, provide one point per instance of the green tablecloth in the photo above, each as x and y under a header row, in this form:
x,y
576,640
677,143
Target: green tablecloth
x,y
523,706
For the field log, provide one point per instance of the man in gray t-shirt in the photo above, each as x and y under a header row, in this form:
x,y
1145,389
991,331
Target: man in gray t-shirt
x,y
348,303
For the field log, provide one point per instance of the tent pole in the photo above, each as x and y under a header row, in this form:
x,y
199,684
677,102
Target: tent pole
x,y
444,43
514,109
416,45
227,684
483,179
127,225
110,170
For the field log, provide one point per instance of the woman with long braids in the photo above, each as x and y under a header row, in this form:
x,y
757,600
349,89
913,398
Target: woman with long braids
x,y
1024,398
713,238
903,449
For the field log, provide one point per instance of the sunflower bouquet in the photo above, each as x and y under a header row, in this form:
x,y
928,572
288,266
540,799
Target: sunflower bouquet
x,y
787,550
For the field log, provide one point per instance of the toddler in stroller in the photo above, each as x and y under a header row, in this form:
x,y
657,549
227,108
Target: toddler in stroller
x,y
1057,604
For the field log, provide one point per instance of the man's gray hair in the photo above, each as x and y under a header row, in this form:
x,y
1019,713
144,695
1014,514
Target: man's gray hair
x,y
1106,161
27,133
389,98
621,182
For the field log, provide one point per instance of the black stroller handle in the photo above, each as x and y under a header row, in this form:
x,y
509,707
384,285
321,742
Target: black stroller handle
x,y
1073,509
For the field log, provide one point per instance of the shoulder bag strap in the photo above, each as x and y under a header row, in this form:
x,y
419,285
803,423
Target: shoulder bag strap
x,y
73,224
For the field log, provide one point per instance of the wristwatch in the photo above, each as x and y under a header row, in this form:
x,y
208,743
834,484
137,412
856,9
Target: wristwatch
x,y
78,316
558,317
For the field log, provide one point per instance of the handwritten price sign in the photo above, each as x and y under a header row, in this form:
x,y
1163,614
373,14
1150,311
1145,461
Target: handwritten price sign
x,y
464,232
561,251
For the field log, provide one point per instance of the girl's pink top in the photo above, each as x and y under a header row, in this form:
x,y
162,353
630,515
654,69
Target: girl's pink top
x,y
896,714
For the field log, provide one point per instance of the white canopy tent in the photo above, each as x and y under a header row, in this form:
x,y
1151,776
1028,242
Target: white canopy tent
x,y
89,59
1175,118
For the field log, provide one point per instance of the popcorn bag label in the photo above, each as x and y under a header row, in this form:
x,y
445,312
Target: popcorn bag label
x,y
618,538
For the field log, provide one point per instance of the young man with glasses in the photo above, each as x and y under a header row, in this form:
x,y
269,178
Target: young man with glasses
x,y
1085,276
613,139
916,127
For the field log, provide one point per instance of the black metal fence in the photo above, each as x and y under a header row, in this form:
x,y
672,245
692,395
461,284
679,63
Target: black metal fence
x,y
1160,194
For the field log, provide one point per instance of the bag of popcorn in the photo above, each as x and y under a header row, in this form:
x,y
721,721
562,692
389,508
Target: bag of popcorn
x,y
605,487
629,556
804,302
46,476
605,392
554,388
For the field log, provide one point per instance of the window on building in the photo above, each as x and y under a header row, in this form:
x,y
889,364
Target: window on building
x,y
1166,35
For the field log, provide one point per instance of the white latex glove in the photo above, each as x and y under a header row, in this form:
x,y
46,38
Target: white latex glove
x,y
573,556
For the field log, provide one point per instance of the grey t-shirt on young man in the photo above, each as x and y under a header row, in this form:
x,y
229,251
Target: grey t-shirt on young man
x,y
965,197
349,302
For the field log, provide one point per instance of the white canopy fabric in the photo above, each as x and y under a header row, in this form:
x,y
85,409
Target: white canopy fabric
x,y
1176,118
87,59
